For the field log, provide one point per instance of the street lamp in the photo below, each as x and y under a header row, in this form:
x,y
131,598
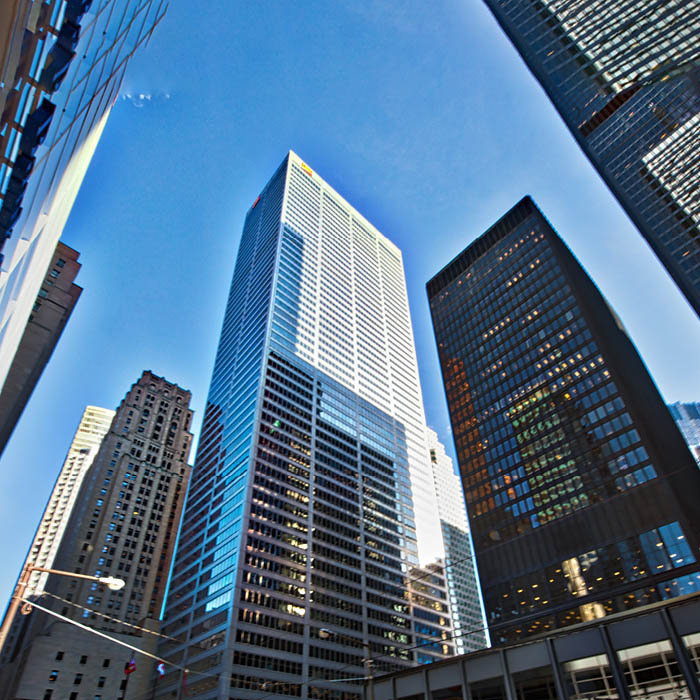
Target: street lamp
x,y
325,633
114,584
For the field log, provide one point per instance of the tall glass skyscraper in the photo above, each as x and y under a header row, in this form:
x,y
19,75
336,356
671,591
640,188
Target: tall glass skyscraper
x,y
625,78
122,523
312,494
93,426
62,63
582,495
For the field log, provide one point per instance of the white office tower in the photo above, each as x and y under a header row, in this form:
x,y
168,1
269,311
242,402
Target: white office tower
x,y
311,495
93,426
462,582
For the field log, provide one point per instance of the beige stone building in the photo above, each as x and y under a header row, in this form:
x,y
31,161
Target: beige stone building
x,y
93,426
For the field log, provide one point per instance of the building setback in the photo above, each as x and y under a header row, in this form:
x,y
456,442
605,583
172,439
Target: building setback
x,y
624,77
462,583
123,524
581,492
52,308
303,514
93,426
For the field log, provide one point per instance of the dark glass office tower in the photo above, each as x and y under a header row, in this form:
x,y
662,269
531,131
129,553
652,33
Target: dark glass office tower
x,y
582,495
625,78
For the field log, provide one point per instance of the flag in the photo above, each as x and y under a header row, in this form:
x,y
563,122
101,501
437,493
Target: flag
x,y
161,669
130,666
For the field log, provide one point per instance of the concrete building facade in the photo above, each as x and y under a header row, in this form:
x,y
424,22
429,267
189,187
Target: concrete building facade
x,y
94,425
649,652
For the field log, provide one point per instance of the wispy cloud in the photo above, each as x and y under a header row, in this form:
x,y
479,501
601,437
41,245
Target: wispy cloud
x,y
141,99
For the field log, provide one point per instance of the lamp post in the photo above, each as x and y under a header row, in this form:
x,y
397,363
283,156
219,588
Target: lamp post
x,y
114,584
324,633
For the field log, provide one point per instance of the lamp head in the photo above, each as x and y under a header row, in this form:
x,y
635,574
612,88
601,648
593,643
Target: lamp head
x,y
114,584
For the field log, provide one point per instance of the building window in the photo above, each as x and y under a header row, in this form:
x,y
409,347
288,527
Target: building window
x,y
53,676
78,679
83,659
59,656
105,663
48,693
101,681
60,262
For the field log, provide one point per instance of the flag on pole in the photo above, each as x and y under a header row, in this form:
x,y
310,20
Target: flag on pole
x,y
130,666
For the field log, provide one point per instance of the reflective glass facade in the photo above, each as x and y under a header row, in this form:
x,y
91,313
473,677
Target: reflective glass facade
x,y
581,492
65,62
624,76
687,417
301,515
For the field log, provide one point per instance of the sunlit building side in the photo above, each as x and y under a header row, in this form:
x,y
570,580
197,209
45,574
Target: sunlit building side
x,y
123,524
64,61
93,426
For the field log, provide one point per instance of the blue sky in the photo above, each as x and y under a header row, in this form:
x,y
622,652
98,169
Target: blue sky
x,y
420,114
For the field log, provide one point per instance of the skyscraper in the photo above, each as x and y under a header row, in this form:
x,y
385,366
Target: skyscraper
x,y
581,492
63,65
428,593
462,584
123,524
312,493
687,417
624,76
93,426
52,308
